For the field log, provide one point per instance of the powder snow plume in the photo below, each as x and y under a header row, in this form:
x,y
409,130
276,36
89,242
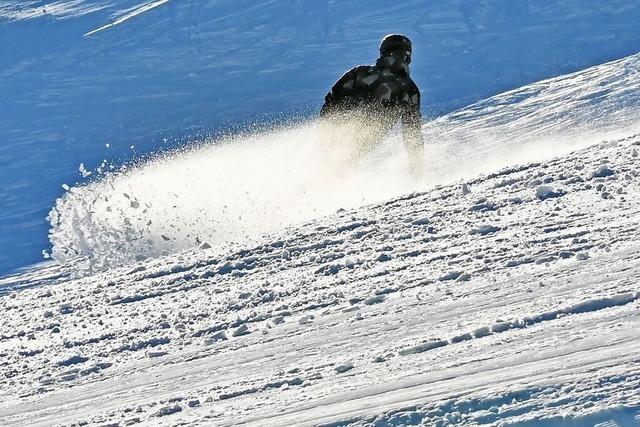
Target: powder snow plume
x,y
231,190
238,188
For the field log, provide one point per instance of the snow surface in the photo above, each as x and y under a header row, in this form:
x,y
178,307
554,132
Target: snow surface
x,y
239,188
502,297
164,73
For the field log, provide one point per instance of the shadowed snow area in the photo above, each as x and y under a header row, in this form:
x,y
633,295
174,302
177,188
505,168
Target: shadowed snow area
x,y
238,188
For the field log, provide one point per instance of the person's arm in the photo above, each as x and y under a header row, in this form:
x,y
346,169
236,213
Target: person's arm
x,y
341,93
412,132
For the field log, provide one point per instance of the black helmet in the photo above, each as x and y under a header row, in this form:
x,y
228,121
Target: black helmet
x,y
395,42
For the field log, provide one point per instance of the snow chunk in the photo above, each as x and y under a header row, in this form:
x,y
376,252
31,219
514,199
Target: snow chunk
x,y
421,348
83,171
582,256
242,330
384,257
515,200
544,192
482,332
452,275
244,295
464,277
374,299
461,338
603,171
501,327
306,319
420,221
65,308
218,336
484,229
482,205
168,410
566,254
343,367
73,360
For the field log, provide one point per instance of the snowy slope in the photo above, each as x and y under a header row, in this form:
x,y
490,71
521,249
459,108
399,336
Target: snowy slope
x,y
242,188
509,297
76,75
442,306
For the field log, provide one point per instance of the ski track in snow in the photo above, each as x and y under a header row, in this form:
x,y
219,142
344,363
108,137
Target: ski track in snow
x,y
138,10
488,303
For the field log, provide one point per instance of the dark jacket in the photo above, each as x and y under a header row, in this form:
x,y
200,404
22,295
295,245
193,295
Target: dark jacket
x,y
384,91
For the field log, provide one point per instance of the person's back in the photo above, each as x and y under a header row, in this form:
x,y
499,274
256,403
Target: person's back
x,y
381,95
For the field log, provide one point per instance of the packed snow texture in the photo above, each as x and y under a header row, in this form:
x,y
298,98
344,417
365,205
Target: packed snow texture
x,y
236,189
475,303
158,74
264,280
506,298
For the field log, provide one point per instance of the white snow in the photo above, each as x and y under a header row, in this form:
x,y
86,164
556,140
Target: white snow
x,y
366,320
478,299
235,190
183,69
383,340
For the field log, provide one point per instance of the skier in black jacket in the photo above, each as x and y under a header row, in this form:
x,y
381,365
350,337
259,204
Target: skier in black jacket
x,y
381,95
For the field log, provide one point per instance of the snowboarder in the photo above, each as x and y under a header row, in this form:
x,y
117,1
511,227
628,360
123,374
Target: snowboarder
x,y
379,96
